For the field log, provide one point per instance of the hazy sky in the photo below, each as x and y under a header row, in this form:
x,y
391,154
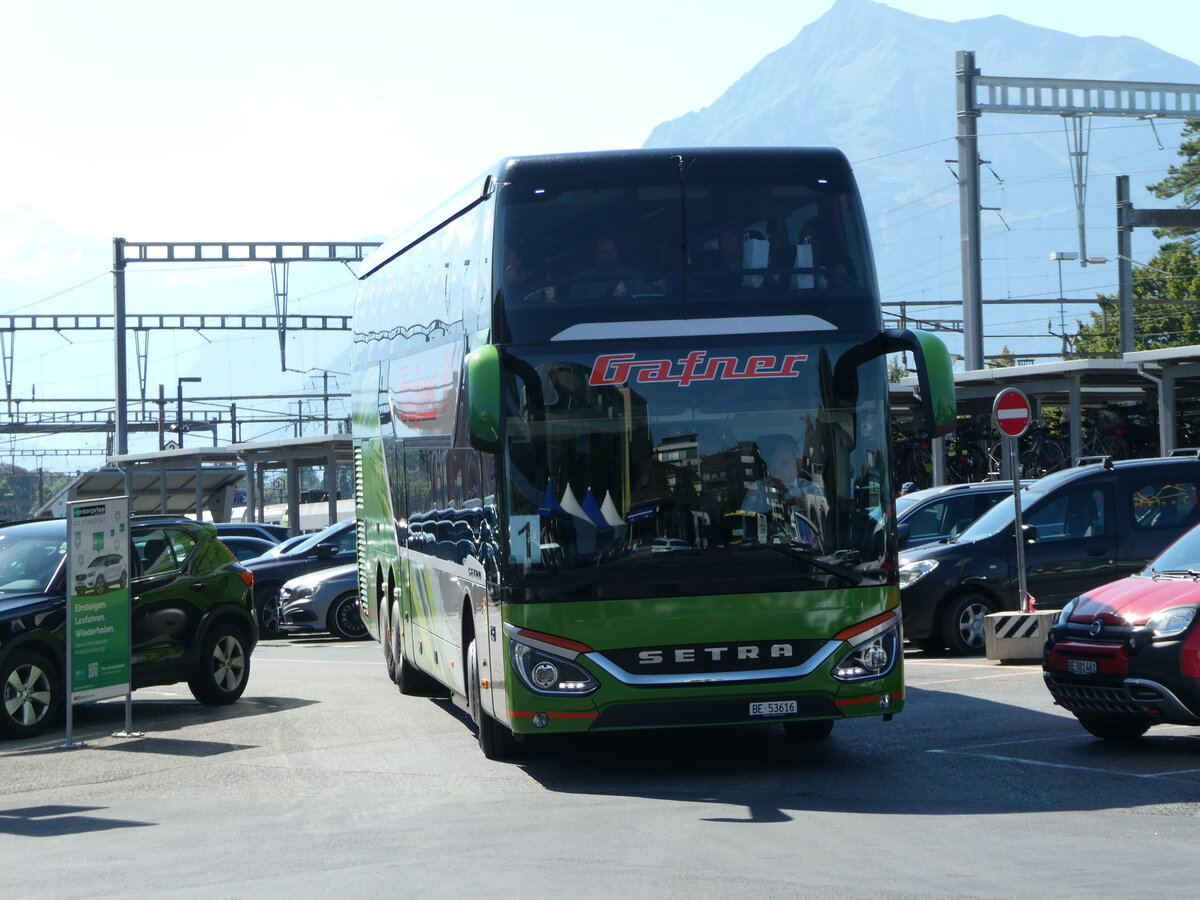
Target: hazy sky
x,y
231,120
313,121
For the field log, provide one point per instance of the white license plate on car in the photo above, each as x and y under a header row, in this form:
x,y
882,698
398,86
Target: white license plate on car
x,y
773,708
1081,666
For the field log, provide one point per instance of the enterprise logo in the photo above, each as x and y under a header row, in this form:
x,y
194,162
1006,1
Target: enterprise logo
x,y
617,368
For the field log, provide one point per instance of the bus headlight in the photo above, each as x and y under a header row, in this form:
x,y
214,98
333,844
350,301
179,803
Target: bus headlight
x,y
873,658
543,673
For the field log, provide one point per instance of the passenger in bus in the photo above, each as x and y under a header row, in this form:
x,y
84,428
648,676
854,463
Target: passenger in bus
x,y
608,276
730,269
521,281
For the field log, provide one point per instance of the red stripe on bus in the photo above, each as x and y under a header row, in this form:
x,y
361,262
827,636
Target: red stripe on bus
x,y
874,699
555,640
850,632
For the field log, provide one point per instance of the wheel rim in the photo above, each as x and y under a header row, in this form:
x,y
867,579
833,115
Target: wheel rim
x,y
970,625
228,663
27,694
348,621
270,615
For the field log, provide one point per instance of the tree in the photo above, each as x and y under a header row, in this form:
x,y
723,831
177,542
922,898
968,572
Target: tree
x,y
1172,274
1184,180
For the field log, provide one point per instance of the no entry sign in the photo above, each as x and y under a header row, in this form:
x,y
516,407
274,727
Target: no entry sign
x,y
1011,412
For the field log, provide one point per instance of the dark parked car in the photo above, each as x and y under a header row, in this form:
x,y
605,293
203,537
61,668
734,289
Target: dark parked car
x,y
244,547
325,600
191,616
937,513
335,546
1083,527
1126,655
272,533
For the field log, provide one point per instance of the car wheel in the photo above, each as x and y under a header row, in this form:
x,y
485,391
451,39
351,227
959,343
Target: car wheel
x,y
496,741
962,624
1113,729
221,675
817,730
344,620
266,601
32,695
101,586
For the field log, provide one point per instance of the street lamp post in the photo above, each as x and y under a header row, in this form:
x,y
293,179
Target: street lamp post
x,y
179,403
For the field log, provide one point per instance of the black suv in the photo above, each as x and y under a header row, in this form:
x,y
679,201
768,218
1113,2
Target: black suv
x,y
191,616
335,546
1083,527
936,513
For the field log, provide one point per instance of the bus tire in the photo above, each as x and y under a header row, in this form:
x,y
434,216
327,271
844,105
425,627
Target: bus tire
x,y
409,679
385,639
496,741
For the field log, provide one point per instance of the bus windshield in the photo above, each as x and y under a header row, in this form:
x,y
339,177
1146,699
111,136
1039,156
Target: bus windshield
x,y
679,237
700,469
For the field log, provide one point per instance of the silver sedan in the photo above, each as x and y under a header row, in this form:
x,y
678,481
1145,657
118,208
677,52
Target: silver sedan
x,y
325,600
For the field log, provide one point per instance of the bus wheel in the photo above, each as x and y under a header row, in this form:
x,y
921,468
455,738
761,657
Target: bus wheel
x,y
814,730
407,677
385,638
496,741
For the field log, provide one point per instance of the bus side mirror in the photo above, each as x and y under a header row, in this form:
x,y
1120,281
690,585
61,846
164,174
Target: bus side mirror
x,y
935,377
483,398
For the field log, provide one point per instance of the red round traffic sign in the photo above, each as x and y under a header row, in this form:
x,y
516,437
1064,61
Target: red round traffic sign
x,y
1011,412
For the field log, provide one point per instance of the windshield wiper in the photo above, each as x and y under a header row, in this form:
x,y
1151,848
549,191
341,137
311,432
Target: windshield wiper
x,y
1176,573
817,562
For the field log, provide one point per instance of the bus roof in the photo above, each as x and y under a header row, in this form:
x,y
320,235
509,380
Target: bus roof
x,y
514,168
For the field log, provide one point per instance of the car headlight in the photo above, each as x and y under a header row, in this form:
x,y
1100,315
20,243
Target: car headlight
x,y
1170,622
873,657
912,572
545,673
1067,611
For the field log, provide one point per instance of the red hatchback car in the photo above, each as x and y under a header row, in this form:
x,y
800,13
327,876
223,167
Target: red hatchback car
x,y
1126,655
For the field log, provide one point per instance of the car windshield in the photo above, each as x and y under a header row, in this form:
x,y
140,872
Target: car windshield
x,y
1181,556
993,521
28,562
329,535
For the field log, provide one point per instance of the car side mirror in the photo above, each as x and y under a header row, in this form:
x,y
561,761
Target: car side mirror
x,y
902,532
326,551
1030,533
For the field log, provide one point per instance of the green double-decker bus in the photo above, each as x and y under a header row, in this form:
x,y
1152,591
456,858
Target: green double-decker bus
x,y
622,446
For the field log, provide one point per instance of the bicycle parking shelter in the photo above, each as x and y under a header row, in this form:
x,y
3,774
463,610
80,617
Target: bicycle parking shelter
x,y
1166,380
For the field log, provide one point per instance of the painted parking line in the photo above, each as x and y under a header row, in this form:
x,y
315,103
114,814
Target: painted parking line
x,y
1052,765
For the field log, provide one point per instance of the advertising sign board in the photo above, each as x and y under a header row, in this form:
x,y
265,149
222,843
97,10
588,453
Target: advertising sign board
x,y
98,619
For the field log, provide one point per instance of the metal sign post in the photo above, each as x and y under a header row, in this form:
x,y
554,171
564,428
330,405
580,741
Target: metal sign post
x,y
1011,413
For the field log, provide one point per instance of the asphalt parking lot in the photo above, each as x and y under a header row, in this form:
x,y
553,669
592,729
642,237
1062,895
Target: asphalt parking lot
x,y
323,777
